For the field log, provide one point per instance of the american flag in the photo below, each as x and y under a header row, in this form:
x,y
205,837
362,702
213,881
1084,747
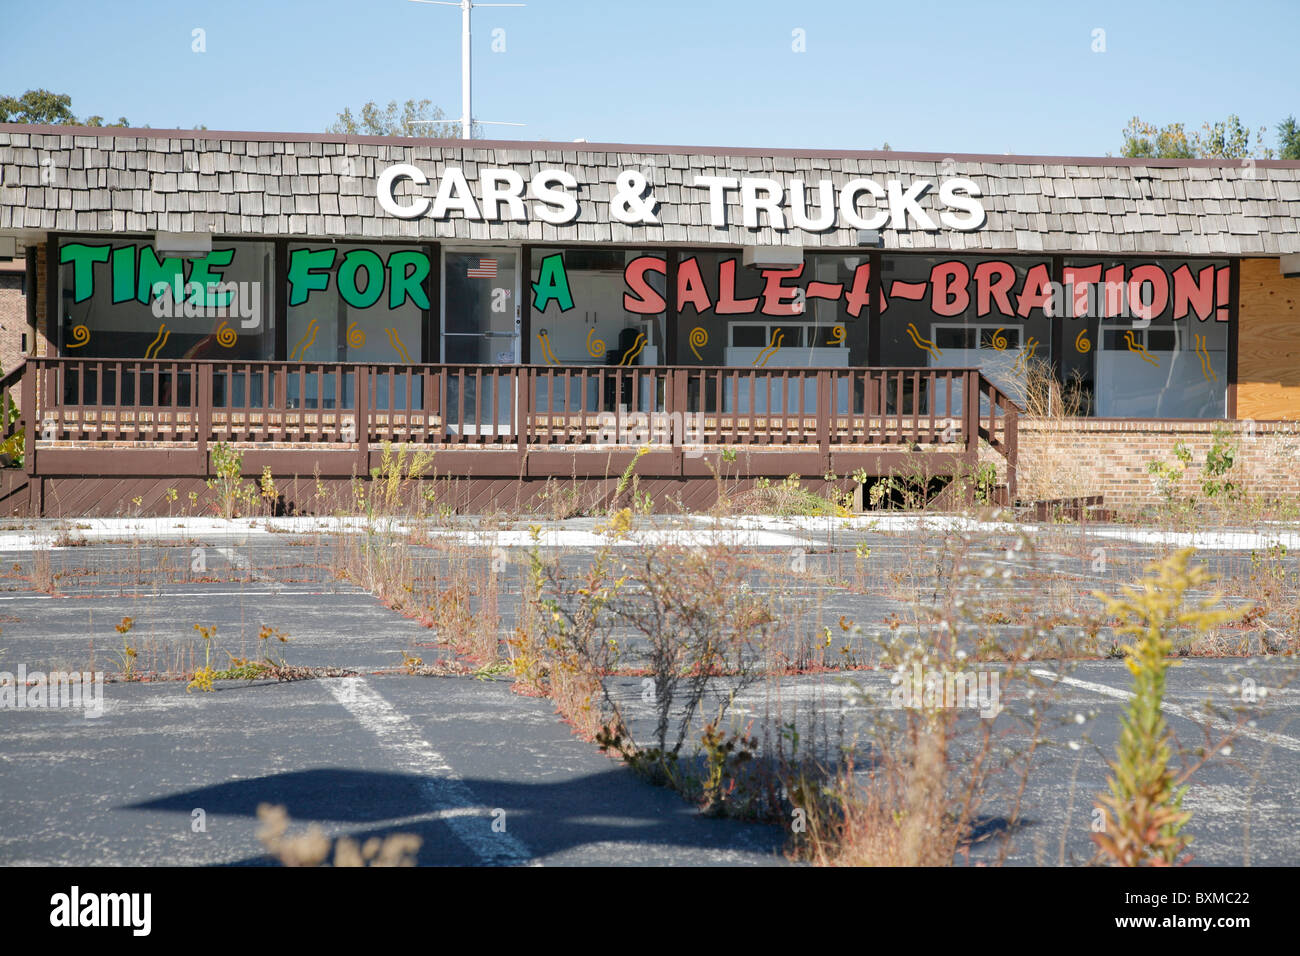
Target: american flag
x,y
487,269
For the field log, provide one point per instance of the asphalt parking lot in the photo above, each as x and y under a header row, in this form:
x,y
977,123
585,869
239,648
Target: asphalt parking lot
x,y
381,751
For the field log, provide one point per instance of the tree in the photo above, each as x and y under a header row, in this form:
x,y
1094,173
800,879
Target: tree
x,y
48,109
1145,141
415,118
1288,139
37,106
1227,139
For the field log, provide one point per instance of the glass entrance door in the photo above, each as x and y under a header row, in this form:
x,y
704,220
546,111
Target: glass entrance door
x,y
480,326
480,306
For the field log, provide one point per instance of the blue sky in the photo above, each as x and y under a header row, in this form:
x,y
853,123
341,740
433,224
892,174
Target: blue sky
x,y
944,77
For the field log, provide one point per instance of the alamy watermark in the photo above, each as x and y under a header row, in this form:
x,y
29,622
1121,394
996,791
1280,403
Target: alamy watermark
x,y
216,300
56,690
653,428
928,689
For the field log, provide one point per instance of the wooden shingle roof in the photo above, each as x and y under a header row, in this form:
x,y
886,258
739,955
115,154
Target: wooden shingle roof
x,y
323,187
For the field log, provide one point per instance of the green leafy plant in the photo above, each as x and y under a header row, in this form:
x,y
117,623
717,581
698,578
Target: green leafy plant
x,y
625,479
228,465
1143,816
986,477
1166,475
14,446
1219,461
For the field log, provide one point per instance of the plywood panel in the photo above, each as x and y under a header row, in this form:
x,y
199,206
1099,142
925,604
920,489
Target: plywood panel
x,y
1268,343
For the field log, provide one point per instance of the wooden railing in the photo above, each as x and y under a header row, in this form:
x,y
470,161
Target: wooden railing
x,y
522,407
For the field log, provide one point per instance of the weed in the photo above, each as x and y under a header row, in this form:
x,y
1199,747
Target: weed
x,y
128,655
1142,815
228,465
313,847
1219,461
204,676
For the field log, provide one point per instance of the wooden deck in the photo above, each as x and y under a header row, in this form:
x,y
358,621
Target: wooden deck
x,y
123,426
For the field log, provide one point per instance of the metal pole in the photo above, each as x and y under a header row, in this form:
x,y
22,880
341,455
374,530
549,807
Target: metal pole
x,y
466,121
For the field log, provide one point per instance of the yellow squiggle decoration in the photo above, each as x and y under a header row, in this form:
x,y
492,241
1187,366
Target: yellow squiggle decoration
x,y
226,336
1203,353
921,343
80,336
1082,343
547,354
595,349
1022,360
159,342
698,338
765,356
837,335
399,347
356,336
999,341
1139,349
305,342
637,348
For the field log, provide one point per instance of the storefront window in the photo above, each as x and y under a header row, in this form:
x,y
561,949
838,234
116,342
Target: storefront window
x,y
124,300
813,315
356,303
613,313
1147,339
967,312
746,316
598,307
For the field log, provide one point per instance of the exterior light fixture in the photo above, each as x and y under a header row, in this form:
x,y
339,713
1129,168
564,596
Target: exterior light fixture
x,y
183,245
784,257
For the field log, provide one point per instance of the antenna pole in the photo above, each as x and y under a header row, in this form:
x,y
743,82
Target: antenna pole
x,y
466,121
466,115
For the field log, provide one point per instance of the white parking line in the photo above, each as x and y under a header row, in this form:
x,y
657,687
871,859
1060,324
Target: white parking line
x,y
237,560
1196,717
450,799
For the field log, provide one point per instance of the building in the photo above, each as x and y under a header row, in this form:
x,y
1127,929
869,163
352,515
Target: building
x,y
539,310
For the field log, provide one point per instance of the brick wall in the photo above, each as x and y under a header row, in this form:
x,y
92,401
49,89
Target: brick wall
x,y
46,332
13,317
1110,458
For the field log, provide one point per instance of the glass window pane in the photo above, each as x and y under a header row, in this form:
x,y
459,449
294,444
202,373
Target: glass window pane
x,y
357,321
1147,338
112,303
607,324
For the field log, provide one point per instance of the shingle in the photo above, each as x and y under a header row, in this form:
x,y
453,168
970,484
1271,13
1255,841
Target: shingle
x,y
310,186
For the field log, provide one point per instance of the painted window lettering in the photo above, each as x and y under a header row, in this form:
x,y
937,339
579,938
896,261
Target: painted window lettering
x,y
1139,291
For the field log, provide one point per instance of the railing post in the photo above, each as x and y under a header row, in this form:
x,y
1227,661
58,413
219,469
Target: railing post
x,y
1013,449
971,425
971,412
363,420
523,404
29,420
824,403
675,400
203,424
